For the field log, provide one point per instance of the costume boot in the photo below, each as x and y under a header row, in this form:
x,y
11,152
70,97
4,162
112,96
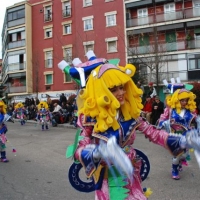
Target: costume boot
x,y
3,157
175,172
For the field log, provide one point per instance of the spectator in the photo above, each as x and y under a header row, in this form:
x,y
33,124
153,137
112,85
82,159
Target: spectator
x,y
32,101
63,99
152,91
157,110
139,85
49,102
37,101
56,112
147,110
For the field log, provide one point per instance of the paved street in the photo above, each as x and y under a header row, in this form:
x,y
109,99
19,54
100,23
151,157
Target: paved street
x,y
38,170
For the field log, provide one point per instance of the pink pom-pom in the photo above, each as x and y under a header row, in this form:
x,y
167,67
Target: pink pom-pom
x,y
14,150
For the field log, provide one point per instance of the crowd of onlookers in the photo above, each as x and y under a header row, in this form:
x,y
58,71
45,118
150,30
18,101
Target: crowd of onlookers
x,y
61,109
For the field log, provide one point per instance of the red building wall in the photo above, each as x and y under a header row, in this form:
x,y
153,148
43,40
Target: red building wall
x,y
75,39
100,31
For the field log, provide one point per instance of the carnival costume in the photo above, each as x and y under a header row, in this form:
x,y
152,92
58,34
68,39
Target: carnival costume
x,y
20,113
43,115
103,145
3,129
178,120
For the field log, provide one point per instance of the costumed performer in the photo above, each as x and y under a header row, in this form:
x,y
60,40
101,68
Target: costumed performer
x,y
20,113
179,116
109,108
3,129
43,115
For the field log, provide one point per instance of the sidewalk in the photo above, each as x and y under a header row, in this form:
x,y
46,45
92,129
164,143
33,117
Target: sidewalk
x,y
67,125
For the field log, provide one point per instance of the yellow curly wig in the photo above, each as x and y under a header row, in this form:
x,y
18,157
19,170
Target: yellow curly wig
x,y
99,103
19,105
44,103
173,101
3,107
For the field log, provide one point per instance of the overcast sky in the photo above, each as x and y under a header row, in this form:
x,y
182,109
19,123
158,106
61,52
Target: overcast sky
x,y
4,5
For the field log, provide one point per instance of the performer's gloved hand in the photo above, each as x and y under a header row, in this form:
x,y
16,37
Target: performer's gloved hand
x,y
191,140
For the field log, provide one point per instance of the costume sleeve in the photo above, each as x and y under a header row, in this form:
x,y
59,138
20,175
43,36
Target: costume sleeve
x,y
161,137
164,116
86,148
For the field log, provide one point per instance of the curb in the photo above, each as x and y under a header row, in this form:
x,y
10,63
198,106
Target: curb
x,y
67,125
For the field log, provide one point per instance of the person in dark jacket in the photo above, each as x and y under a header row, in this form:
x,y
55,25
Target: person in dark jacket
x,y
63,99
157,109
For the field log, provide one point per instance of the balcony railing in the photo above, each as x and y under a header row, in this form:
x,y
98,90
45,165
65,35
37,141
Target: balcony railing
x,y
192,12
48,17
16,67
67,12
20,43
163,17
151,77
164,47
18,89
49,63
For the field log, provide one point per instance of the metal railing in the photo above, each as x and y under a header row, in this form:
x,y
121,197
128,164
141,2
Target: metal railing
x,y
48,17
16,66
67,12
16,89
15,44
49,63
151,77
163,17
164,47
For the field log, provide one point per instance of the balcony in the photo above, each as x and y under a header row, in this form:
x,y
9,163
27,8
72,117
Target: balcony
x,y
49,63
18,89
48,17
192,12
16,67
163,17
67,12
151,77
16,44
164,47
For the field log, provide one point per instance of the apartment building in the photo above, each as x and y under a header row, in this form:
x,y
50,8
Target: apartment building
x,y
166,33
65,29
16,73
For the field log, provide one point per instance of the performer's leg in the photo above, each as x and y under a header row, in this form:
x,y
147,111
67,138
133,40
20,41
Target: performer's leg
x,y
175,168
3,156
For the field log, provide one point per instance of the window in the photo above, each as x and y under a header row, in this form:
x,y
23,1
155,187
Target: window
x,y
48,33
67,29
88,23
196,8
67,9
48,59
68,54
48,79
111,44
142,16
169,7
48,14
67,78
16,36
87,3
194,63
16,15
111,18
88,46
